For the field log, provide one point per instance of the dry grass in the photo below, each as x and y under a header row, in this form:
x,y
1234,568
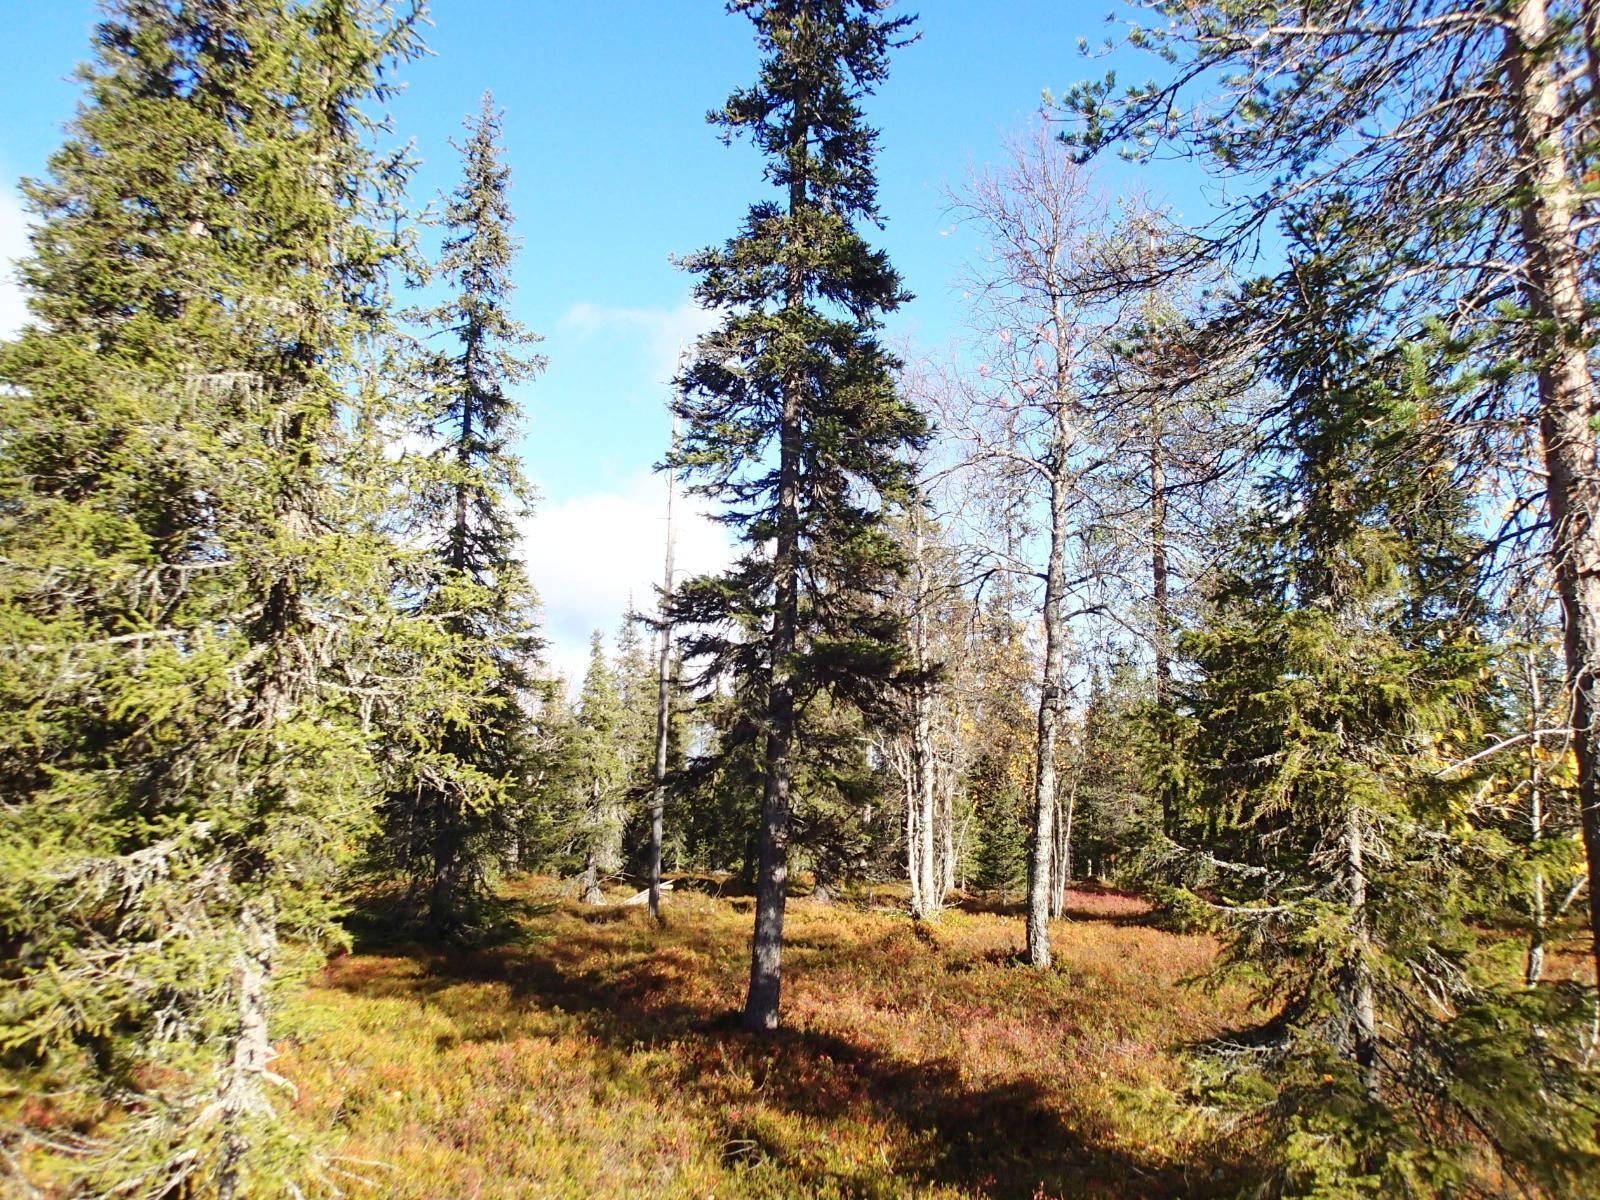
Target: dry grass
x,y
595,1055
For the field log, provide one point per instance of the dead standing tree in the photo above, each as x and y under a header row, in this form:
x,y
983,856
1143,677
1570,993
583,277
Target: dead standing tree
x,y
1029,422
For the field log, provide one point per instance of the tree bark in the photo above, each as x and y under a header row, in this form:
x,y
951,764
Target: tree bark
x,y
772,867
658,796
243,1098
925,888
1566,390
1051,702
1536,902
589,882
1359,993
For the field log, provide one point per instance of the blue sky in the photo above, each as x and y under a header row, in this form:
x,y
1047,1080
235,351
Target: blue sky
x,y
615,170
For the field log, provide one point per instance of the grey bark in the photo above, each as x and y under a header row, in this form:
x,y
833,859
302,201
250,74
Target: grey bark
x,y
243,1097
658,796
1359,991
1534,971
1051,703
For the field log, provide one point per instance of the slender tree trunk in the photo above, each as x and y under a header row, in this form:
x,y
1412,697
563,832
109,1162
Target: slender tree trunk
x,y
288,673
923,764
772,868
1051,703
1066,836
1162,615
658,797
1055,862
1359,998
448,850
1567,399
589,883
1536,902
947,834
908,777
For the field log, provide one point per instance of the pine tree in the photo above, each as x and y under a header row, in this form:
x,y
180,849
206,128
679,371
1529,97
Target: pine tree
x,y
189,596
1343,658
462,732
791,415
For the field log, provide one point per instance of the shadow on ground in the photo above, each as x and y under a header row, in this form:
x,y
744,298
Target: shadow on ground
x,y
632,989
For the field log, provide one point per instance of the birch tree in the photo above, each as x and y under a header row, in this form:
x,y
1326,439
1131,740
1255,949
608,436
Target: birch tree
x,y
1028,421
1461,137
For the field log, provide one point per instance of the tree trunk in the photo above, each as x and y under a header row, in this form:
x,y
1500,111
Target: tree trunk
x,y
589,882
1162,615
444,897
1567,407
243,1097
908,776
1051,702
772,868
947,829
1359,996
658,796
1066,834
1536,902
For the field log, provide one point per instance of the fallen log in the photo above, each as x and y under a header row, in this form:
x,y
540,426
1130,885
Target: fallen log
x,y
642,897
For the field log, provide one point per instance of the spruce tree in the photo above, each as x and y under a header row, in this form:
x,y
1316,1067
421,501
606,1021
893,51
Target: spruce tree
x,y
463,733
790,411
1343,662
599,773
188,595
1464,137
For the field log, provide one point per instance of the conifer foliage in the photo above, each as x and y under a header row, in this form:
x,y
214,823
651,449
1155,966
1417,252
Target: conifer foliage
x,y
463,727
790,411
1344,656
189,595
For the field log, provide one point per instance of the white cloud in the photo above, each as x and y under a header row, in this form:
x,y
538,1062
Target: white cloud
x,y
13,245
588,555
661,331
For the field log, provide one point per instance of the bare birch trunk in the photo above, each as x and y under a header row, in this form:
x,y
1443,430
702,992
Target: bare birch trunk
x,y
1050,706
1567,400
947,827
908,777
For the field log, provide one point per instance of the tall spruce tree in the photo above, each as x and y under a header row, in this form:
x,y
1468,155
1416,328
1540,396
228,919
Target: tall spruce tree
x,y
1343,659
463,726
791,415
187,594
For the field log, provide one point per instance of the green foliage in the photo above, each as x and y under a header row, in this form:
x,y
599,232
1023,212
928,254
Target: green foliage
x,y
790,412
194,579
461,730
1343,654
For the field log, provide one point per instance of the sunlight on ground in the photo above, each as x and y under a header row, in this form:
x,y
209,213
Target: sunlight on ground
x,y
596,1056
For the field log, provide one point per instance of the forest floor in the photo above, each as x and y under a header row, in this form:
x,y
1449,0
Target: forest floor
x,y
591,1054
